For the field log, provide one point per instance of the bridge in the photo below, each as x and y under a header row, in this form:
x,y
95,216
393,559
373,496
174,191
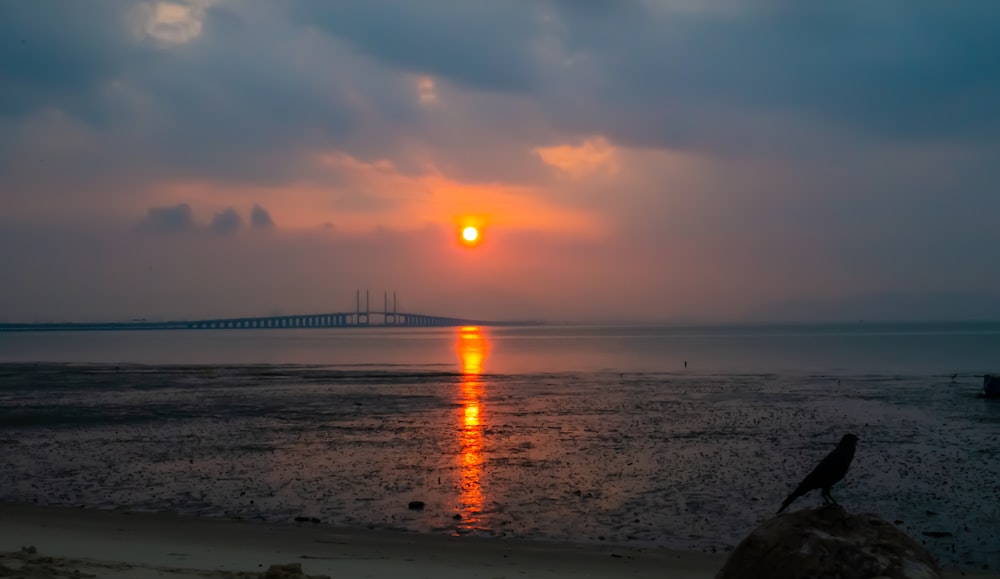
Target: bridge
x,y
357,319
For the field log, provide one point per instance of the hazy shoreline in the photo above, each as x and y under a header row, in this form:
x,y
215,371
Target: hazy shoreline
x,y
158,542
55,542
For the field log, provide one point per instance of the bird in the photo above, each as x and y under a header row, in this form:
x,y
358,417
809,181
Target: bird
x,y
827,473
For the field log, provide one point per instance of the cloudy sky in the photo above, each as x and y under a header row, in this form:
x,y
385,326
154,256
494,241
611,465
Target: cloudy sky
x,y
626,159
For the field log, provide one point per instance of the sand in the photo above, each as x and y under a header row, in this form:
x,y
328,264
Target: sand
x,y
57,543
112,544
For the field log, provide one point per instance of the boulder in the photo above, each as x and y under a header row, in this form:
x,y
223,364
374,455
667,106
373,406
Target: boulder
x,y
829,542
289,571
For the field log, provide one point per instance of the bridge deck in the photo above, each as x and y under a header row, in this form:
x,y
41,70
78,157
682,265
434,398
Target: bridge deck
x,y
327,320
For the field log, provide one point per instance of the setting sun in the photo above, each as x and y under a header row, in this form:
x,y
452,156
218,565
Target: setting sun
x,y
470,230
470,234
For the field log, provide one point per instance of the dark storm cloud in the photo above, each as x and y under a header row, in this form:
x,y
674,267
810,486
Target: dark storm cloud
x,y
220,105
913,70
260,218
485,45
692,75
226,221
229,105
711,76
59,53
172,219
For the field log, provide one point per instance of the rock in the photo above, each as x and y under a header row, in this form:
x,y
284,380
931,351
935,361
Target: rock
x,y
937,534
829,542
416,505
289,571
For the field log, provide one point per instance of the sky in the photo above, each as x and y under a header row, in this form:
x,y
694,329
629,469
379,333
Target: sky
x,y
625,160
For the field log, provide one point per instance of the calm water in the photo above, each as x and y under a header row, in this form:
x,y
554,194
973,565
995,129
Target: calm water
x,y
568,433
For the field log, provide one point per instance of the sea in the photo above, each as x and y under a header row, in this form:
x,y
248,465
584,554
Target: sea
x,y
648,436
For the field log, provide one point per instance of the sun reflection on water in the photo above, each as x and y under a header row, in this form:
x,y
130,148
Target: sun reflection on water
x,y
472,349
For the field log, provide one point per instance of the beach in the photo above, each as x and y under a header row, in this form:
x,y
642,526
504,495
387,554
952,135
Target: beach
x,y
55,543
113,544
576,441
497,289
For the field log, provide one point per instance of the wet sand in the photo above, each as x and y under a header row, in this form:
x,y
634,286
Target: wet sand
x,y
116,545
652,461
57,543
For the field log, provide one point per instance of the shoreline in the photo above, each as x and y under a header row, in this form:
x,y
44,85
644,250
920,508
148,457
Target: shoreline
x,y
117,544
140,545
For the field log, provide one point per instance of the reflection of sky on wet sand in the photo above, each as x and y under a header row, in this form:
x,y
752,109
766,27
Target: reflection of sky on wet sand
x,y
472,350
654,459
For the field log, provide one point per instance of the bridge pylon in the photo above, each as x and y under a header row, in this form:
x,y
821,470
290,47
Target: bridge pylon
x,y
362,318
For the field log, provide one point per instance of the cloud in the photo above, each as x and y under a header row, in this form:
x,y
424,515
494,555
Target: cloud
x,y
253,121
169,23
226,221
260,218
173,219
484,45
717,76
720,155
62,62
668,75
591,155
425,90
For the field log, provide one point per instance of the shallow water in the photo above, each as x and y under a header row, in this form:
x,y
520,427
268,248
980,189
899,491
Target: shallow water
x,y
607,445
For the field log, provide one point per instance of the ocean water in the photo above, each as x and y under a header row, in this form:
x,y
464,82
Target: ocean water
x,y
653,436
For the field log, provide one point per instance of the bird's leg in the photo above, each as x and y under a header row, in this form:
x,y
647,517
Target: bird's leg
x,y
828,498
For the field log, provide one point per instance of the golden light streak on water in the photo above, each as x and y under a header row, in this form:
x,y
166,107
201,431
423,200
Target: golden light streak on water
x,y
472,349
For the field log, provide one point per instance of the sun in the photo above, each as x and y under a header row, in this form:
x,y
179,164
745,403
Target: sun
x,y
470,230
470,234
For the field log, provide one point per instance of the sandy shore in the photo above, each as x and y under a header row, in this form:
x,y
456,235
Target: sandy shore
x,y
115,545
57,543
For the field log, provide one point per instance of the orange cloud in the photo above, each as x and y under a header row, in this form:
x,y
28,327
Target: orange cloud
x,y
594,154
373,194
169,23
426,91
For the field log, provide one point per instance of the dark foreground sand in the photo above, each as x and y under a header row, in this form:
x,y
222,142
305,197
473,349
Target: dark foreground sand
x,y
110,544
48,543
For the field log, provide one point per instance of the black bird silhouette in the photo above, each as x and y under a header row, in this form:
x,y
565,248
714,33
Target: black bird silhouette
x,y
827,473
